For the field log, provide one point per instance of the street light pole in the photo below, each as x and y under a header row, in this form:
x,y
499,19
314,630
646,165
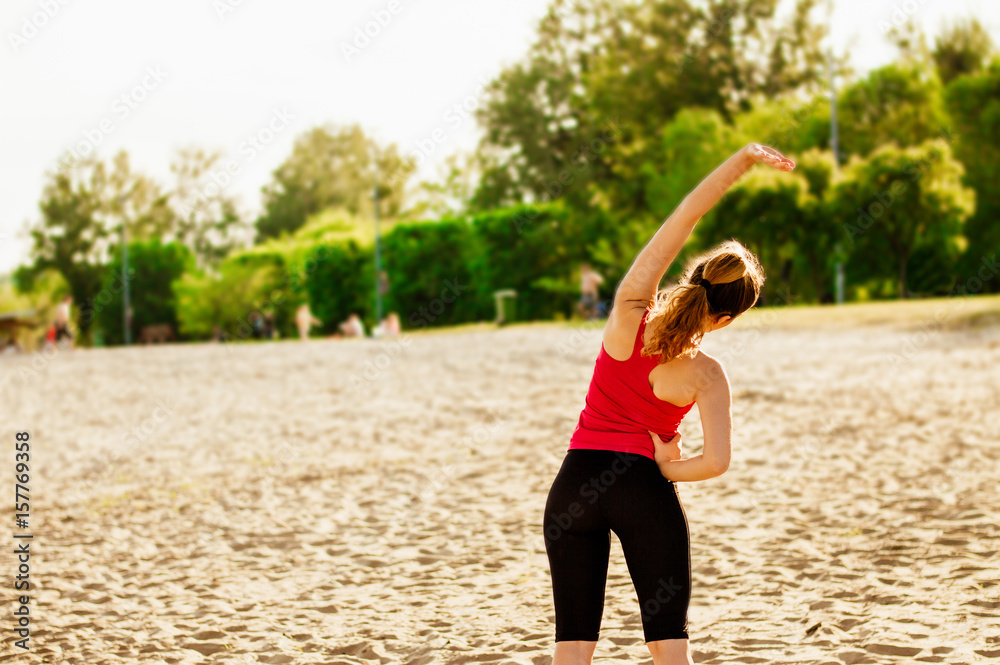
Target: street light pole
x,y
378,243
126,295
834,139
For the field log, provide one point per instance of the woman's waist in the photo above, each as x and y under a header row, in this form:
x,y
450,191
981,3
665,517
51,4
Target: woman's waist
x,y
620,426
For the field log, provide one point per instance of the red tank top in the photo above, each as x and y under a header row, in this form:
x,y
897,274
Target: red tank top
x,y
621,408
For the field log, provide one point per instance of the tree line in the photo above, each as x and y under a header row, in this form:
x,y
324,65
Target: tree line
x,y
613,115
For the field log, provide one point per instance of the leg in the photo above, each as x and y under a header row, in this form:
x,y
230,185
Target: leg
x,y
670,652
574,653
647,515
577,541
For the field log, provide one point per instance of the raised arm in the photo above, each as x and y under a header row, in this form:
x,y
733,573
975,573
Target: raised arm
x,y
643,278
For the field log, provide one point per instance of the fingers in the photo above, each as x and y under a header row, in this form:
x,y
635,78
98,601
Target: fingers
x,y
771,157
674,440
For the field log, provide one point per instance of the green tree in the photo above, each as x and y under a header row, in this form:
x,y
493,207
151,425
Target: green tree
x,y
342,283
535,250
817,236
224,301
694,143
899,103
331,168
70,237
430,269
897,201
765,211
153,268
207,219
962,48
788,124
581,117
974,103
83,208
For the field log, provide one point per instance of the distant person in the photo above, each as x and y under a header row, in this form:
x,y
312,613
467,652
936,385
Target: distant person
x,y
389,327
304,319
353,327
62,322
590,280
256,325
269,329
9,346
624,458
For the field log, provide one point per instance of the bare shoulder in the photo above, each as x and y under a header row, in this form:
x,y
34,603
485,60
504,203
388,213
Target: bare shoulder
x,y
621,329
712,379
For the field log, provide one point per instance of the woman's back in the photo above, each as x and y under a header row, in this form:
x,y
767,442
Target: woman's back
x,y
622,407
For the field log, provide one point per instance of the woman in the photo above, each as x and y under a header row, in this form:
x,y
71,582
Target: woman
x,y
304,319
624,456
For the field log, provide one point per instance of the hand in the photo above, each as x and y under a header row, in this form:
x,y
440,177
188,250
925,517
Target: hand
x,y
764,155
666,452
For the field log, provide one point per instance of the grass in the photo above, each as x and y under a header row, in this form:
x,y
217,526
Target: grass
x,y
955,312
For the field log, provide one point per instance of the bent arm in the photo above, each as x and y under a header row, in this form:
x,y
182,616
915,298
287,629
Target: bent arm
x,y
643,278
715,406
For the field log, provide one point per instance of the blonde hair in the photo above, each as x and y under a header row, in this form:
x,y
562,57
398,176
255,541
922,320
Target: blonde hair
x,y
681,316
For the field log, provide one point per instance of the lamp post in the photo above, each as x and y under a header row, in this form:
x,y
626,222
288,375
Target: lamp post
x,y
126,293
378,243
834,140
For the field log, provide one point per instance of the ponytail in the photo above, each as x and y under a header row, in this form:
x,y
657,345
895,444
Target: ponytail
x,y
724,282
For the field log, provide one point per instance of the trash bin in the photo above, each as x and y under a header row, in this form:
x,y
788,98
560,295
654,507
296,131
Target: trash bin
x,y
506,306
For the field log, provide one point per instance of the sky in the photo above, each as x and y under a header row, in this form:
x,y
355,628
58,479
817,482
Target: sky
x,y
245,77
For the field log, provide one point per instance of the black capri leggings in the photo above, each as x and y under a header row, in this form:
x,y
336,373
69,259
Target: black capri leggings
x,y
599,491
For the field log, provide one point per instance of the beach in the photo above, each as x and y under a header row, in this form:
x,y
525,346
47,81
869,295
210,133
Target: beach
x,y
362,501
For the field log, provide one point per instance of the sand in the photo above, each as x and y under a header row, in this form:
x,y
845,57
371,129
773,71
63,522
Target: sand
x,y
365,502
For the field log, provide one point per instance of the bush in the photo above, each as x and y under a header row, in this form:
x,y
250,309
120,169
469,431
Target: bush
x,y
153,267
534,250
225,301
431,279
341,282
